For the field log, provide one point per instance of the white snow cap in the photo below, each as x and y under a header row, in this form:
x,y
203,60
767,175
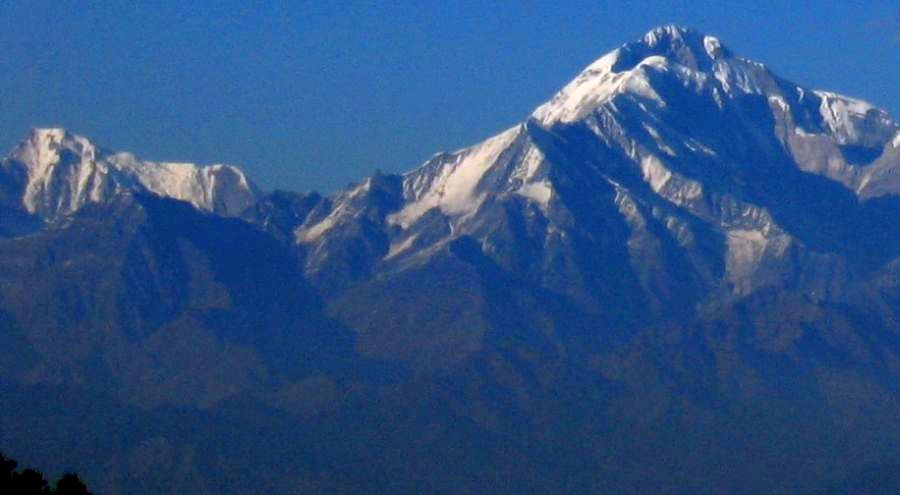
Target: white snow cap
x,y
623,71
853,121
64,171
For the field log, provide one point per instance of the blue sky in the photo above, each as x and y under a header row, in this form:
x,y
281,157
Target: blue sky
x,y
313,95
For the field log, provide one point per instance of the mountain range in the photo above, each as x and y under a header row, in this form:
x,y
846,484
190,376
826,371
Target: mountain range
x,y
681,274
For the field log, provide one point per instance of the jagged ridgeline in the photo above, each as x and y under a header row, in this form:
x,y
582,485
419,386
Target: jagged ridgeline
x,y
678,275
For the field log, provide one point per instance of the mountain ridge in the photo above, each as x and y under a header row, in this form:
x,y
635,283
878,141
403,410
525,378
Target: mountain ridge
x,y
58,172
679,275
626,110
673,159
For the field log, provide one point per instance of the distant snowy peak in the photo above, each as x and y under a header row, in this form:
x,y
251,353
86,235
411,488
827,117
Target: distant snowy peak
x,y
668,55
685,46
672,138
624,70
221,189
673,70
58,172
667,70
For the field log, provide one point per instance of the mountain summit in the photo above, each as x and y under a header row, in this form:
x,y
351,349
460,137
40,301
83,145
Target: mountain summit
x,y
628,68
681,274
54,172
671,140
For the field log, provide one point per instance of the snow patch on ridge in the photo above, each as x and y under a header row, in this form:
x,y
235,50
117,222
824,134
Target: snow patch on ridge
x,y
539,192
312,233
596,85
398,248
459,190
713,47
454,188
654,172
745,78
660,143
745,251
342,213
853,121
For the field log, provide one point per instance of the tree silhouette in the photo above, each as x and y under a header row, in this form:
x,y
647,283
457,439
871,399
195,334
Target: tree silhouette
x,y
70,484
7,471
32,482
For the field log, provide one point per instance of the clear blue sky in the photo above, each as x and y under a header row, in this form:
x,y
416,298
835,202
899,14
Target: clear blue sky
x,y
312,95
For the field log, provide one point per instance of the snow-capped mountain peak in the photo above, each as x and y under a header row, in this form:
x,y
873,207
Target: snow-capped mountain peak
x,y
57,172
686,143
44,148
625,70
670,140
686,46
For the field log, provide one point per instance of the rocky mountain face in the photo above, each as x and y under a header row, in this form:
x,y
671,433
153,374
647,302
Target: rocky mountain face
x,y
678,275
